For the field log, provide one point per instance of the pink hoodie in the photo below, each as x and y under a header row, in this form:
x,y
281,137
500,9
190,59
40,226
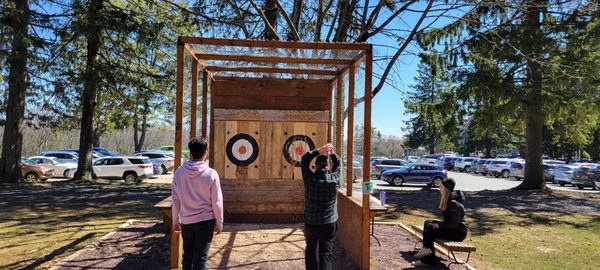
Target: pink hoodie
x,y
197,194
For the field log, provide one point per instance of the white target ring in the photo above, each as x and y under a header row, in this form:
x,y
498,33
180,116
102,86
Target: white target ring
x,y
242,149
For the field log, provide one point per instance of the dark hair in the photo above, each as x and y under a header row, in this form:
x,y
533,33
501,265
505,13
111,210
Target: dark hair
x,y
197,147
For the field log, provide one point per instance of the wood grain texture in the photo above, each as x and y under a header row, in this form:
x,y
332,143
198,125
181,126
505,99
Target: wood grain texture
x,y
230,130
299,129
271,103
271,115
350,227
253,129
219,148
265,154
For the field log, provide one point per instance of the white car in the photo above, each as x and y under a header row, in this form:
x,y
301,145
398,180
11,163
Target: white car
x,y
130,169
164,159
60,167
463,164
65,156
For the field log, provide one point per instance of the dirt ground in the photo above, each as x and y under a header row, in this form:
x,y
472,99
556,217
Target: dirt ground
x,y
143,245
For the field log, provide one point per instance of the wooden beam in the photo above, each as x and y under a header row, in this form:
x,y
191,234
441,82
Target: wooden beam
x,y
194,100
211,146
350,138
271,59
273,70
366,158
204,102
235,78
189,50
275,44
179,105
355,62
338,114
271,115
330,116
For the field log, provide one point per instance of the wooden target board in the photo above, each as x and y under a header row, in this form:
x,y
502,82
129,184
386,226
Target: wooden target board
x,y
264,150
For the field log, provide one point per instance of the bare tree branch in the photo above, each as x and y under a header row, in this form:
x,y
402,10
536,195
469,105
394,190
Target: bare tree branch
x,y
293,31
266,21
401,49
367,35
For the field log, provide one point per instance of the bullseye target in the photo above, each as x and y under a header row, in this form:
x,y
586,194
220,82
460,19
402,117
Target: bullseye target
x,y
242,149
295,146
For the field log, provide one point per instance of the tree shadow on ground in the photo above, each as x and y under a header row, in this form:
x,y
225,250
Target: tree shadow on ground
x,y
65,214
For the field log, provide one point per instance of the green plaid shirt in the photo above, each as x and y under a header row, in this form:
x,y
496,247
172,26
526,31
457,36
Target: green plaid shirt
x,y
320,190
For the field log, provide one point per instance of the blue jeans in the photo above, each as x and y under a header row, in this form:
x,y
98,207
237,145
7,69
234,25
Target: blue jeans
x,y
320,239
196,243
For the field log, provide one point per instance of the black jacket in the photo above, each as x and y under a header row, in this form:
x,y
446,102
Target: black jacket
x,y
454,216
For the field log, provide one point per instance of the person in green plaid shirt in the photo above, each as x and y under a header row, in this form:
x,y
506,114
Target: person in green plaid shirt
x,y
320,206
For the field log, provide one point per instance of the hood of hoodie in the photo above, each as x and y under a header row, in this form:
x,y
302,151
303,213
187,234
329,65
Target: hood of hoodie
x,y
194,168
458,196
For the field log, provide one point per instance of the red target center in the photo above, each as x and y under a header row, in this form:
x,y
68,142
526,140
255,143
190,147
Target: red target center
x,y
299,150
242,150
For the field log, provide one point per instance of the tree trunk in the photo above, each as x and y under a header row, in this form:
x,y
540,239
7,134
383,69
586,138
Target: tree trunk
x,y
271,14
346,10
534,115
12,141
90,92
296,12
136,144
139,143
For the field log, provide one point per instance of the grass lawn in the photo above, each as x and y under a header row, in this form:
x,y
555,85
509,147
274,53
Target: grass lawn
x,y
43,222
518,230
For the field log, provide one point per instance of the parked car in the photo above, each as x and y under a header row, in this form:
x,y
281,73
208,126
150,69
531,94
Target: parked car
x,y
596,178
476,165
517,169
95,154
374,163
548,171
447,163
164,159
429,158
131,169
65,156
387,164
500,168
170,148
411,159
564,174
32,172
584,176
60,167
105,152
430,174
463,164
156,169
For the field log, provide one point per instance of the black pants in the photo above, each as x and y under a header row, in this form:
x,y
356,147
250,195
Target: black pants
x,y
196,243
320,240
430,234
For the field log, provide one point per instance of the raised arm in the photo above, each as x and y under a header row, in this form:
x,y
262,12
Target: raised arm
x,y
305,162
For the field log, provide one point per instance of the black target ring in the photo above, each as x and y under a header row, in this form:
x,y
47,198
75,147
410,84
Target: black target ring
x,y
236,156
291,140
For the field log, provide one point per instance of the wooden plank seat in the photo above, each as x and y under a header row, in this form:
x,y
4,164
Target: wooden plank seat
x,y
447,246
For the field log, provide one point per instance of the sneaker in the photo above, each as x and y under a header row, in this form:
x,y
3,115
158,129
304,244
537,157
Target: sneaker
x,y
420,264
424,252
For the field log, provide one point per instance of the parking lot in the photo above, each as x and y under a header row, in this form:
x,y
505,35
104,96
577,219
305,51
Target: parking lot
x,y
476,182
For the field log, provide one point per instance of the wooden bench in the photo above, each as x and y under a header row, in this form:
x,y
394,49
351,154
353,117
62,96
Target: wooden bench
x,y
447,246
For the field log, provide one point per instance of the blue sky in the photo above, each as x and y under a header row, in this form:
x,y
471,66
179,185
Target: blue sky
x,y
388,112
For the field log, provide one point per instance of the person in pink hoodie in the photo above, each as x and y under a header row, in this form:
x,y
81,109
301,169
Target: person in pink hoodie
x,y
197,205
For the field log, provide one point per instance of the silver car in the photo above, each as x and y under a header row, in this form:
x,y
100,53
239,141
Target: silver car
x,y
387,164
163,159
564,174
463,164
501,168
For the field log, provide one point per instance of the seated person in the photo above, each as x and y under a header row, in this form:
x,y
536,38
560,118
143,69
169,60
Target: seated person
x,y
454,226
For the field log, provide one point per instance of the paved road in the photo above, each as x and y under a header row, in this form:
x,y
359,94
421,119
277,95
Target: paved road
x,y
472,182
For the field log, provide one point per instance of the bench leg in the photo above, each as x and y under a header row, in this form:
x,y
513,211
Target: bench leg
x,y
176,250
454,260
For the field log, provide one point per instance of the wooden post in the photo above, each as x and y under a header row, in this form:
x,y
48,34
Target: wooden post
x,y
194,100
204,101
211,146
175,258
366,158
350,138
179,105
338,114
